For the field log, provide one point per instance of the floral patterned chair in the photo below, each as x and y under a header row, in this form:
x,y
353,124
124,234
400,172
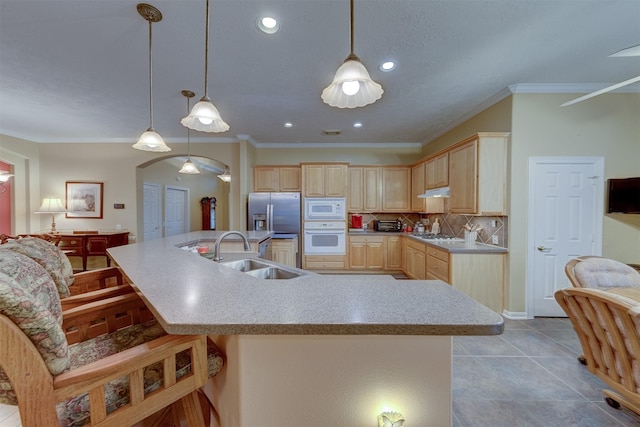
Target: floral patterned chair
x,y
99,362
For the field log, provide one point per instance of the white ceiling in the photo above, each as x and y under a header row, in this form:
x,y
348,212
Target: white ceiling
x,y
77,70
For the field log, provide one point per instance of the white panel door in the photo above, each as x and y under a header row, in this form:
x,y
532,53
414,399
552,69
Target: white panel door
x,y
151,211
176,211
566,222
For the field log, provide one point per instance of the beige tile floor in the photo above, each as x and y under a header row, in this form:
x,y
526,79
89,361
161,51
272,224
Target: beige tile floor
x,y
528,377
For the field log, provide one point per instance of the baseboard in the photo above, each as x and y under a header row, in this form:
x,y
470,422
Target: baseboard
x,y
515,315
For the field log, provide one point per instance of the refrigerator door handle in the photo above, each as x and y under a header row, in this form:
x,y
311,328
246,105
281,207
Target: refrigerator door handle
x,y
270,217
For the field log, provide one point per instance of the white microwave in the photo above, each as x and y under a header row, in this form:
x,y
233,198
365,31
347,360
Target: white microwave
x,y
324,209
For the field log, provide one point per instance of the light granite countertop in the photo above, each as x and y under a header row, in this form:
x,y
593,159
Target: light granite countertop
x,y
190,294
454,245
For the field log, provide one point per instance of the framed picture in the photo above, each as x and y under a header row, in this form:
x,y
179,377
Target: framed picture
x,y
84,199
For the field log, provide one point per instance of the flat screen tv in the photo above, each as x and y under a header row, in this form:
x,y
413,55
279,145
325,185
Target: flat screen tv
x,y
624,196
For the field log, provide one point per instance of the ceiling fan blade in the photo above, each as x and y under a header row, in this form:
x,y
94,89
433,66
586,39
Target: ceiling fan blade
x,y
629,51
601,91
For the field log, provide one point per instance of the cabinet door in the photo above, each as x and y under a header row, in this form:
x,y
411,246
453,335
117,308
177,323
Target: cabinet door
x,y
289,178
357,255
335,180
417,187
372,189
437,171
396,189
313,180
375,255
393,253
355,196
463,178
266,178
420,265
283,251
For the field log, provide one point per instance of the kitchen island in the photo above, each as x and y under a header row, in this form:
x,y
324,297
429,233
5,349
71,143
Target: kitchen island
x,y
316,350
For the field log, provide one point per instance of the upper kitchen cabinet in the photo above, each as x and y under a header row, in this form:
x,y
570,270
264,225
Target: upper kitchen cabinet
x,y
417,187
324,179
365,189
437,171
478,174
396,189
276,178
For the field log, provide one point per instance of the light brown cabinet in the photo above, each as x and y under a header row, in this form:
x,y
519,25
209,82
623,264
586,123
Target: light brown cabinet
x,y
366,252
478,175
437,171
396,189
276,178
365,189
437,264
481,276
417,187
284,251
393,253
416,261
323,262
324,180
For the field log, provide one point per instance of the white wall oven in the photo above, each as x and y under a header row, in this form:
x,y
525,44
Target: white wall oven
x,y
325,238
325,209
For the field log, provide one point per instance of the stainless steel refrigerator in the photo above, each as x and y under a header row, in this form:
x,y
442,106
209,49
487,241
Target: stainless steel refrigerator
x,y
277,212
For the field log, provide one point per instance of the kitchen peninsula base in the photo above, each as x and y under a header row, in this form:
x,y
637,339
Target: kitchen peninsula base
x,y
333,380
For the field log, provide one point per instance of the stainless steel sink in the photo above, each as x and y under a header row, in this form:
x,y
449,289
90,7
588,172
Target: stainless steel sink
x,y
273,273
245,265
262,270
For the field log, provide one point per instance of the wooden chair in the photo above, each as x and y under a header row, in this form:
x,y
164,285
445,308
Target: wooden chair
x,y
72,366
608,325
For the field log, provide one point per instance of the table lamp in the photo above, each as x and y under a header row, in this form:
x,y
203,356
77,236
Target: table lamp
x,y
51,205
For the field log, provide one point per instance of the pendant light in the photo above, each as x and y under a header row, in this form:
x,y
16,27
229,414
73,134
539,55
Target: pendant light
x,y
226,176
150,140
205,116
352,86
188,166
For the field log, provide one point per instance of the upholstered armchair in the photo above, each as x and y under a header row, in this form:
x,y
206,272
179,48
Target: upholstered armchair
x,y
598,272
100,360
608,326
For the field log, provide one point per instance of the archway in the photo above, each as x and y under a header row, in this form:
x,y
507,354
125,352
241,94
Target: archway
x,y
163,172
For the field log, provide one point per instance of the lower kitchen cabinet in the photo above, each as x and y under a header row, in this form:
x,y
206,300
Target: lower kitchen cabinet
x,y
366,252
437,264
393,253
284,251
481,276
416,260
323,262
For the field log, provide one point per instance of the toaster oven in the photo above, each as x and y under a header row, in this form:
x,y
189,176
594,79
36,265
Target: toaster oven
x,y
388,226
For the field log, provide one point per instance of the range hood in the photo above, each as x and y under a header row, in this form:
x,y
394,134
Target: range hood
x,y
436,192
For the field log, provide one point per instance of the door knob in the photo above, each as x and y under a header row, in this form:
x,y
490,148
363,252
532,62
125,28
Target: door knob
x,y
543,249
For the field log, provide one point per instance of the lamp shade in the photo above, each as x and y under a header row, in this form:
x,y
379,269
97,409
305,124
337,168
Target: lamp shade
x,y
205,117
189,168
225,177
51,205
151,141
352,86
4,176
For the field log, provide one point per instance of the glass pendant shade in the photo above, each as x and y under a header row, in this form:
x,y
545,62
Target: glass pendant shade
x,y
225,177
189,168
5,176
343,93
151,141
205,117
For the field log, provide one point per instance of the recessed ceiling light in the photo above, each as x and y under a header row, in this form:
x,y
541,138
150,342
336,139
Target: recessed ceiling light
x,y
357,125
388,66
288,125
268,25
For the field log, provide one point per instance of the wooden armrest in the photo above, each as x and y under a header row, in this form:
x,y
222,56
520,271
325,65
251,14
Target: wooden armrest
x,y
92,296
105,316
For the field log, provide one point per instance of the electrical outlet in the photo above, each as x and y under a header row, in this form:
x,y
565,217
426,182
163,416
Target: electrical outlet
x,y
494,239
494,223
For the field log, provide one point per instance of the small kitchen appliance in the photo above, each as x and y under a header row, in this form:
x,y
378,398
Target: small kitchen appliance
x,y
383,225
356,221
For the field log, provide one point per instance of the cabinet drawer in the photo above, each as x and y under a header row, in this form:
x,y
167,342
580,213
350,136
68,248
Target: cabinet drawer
x,y
438,269
333,265
438,253
420,247
366,239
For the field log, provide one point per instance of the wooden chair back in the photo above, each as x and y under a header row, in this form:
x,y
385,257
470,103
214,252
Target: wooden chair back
x,y
598,272
607,325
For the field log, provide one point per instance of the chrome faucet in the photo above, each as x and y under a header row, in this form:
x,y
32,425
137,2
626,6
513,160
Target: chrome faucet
x,y
247,245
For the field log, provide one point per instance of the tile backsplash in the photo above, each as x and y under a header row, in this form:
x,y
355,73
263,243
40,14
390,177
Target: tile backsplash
x,y
452,224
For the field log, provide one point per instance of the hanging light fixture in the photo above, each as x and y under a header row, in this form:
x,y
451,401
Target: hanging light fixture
x,y
188,166
205,116
4,177
352,86
226,176
150,140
